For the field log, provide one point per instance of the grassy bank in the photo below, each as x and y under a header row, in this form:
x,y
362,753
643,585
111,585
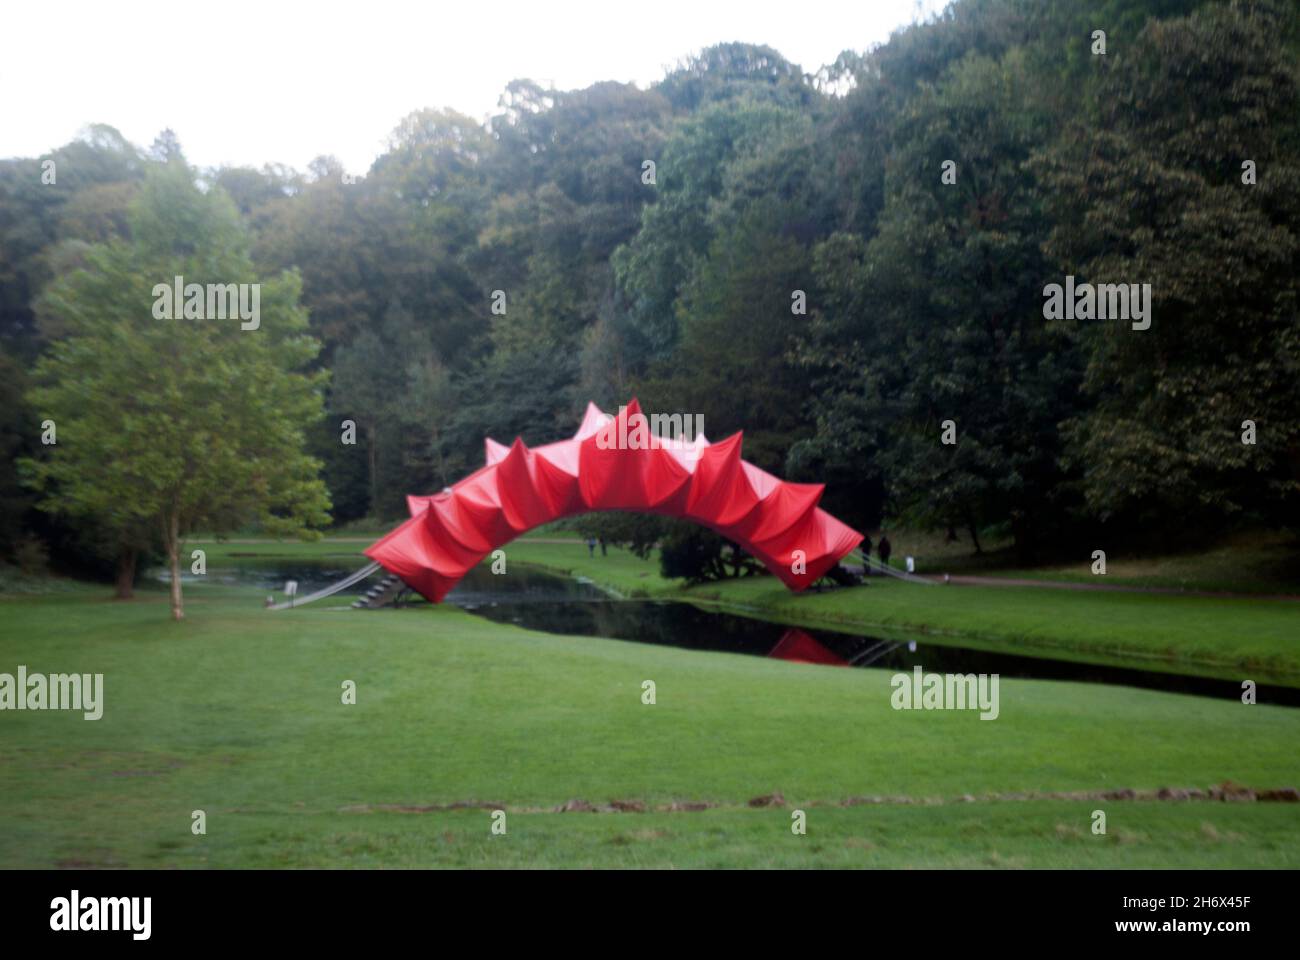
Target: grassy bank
x,y
1251,562
237,712
1232,638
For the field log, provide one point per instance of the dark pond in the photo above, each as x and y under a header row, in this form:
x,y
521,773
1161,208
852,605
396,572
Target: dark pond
x,y
553,604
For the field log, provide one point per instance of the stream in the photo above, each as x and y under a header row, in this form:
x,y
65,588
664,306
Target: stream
x,y
539,600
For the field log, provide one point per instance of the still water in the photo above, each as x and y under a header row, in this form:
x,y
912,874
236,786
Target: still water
x,y
554,604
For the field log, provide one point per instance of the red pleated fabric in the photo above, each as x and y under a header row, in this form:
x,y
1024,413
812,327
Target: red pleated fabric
x,y
612,463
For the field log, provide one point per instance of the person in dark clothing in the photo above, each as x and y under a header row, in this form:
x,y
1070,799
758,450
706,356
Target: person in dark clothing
x,y
603,551
884,548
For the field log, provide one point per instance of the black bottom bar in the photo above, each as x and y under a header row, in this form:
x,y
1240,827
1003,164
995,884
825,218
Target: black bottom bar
x,y
1220,909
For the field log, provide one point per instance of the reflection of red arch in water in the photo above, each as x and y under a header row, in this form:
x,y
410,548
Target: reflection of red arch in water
x,y
798,646
519,488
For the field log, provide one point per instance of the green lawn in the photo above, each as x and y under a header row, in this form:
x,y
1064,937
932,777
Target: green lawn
x,y
1237,639
1232,638
236,711
1254,561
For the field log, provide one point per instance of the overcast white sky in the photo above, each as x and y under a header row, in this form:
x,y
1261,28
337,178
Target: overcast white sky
x,y
252,82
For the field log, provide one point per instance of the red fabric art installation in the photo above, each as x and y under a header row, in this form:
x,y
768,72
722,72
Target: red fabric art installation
x,y
613,463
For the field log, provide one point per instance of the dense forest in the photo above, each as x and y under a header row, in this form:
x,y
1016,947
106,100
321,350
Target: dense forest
x,y
839,263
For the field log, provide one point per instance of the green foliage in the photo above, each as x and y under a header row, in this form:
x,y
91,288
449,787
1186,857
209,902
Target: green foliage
x,y
94,177
924,299
697,555
675,231
729,71
165,426
638,532
937,318
1148,187
18,430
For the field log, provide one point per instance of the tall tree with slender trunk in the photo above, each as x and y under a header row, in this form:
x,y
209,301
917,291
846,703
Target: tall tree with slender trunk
x,y
169,418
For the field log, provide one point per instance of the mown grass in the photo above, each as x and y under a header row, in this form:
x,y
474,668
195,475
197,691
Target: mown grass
x,y
1252,562
237,712
1235,638
1034,834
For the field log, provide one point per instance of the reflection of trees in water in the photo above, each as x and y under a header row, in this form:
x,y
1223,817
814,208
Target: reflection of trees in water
x,y
538,600
681,625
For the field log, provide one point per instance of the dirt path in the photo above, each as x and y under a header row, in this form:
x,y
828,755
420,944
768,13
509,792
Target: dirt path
x,y
1110,587
1224,792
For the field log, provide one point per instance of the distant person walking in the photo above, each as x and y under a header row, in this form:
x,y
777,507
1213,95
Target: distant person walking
x,y
884,548
603,551
591,546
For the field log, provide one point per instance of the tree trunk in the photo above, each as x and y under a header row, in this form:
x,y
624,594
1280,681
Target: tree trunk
x,y
125,573
171,534
974,537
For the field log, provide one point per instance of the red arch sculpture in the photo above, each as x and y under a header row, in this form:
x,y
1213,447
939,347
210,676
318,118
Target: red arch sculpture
x,y
520,488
